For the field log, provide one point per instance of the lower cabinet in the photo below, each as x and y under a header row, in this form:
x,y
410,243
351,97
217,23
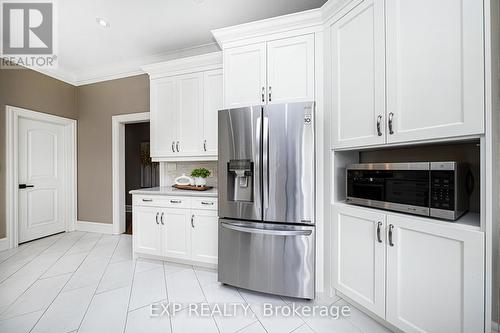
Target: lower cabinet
x,y
178,233
418,275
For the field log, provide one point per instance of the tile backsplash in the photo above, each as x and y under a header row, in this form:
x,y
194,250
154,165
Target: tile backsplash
x,y
172,170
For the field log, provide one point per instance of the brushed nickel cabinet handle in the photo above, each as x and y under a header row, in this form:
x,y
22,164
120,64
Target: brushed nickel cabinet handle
x,y
391,118
269,93
192,221
205,145
175,201
157,218
177,146
207,203
173,146
379,225
263,94
147,200
161,218
379,121
390,235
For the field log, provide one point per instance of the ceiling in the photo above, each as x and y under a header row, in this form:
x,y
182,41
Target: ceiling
x,y
143,32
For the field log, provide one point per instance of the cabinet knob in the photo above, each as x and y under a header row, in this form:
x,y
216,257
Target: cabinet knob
x,y
390,234
379,121
391,118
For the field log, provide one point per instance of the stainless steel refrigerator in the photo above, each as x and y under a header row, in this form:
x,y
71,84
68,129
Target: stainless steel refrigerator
x,y
266,187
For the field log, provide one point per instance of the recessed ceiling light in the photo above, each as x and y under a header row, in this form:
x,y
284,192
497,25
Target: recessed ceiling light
x,y
102,22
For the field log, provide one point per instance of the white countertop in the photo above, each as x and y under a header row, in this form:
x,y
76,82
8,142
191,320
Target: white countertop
x,y
169,190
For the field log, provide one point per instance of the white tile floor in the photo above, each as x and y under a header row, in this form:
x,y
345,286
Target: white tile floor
x,y
89,282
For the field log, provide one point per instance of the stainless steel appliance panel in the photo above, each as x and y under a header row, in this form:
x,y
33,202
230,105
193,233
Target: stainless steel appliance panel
x,y
271,258
239,166
288,163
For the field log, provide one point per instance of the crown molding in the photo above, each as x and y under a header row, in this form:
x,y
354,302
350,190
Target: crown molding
x,y
332,7
274,25
185,65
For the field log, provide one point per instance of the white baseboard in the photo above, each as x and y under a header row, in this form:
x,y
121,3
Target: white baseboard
x,y
102,228
4,244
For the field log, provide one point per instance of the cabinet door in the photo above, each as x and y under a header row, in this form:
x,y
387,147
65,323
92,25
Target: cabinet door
x,y
204,235
147,235
212,96
177,233
435,277
358,76
190,113
435,68
290,70
359,266
245,75
163,129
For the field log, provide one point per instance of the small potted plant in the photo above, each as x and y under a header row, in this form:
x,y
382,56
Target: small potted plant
x,y
200,176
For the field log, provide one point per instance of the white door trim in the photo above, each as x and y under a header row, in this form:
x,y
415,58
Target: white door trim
x,y
11,153
118,165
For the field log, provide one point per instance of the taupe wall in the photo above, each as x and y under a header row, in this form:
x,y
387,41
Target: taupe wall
x,y
30,90
96,104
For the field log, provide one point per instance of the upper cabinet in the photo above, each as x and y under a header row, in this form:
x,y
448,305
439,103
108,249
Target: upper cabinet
x,y
186,95
277,71
419,78
358,76
435,68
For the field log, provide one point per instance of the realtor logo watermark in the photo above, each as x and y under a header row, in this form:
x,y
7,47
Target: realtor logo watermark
x,y
28,34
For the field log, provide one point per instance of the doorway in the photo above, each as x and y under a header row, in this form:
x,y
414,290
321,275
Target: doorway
x,y
119,123
41,175
140,170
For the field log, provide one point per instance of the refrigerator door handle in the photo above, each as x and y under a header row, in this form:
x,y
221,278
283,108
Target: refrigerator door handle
x,y
271,232
265,163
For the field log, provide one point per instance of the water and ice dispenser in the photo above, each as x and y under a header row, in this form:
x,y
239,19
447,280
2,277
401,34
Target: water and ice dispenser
x,y
240,180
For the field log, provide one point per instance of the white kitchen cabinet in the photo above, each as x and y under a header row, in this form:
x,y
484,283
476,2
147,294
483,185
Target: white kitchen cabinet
x,y
185,97
435,68
178,228
177,233
358,76
204,232
213,102
163,122
277,71
359,270
435,279
290,70
190,114
147,235
245,75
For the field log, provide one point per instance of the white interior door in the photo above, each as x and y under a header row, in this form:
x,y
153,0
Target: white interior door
x,y
41,166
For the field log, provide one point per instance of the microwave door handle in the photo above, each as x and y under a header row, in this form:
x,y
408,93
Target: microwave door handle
x,y
270,232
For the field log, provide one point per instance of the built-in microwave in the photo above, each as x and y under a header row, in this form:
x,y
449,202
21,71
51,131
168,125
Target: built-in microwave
x,y
437,189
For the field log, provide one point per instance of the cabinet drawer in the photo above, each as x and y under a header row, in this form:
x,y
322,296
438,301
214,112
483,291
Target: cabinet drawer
x,y
204,203
161,201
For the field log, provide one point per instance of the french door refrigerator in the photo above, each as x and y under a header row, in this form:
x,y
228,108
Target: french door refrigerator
x,y
266,201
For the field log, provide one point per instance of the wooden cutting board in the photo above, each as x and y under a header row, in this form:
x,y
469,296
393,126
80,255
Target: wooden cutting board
x,y
192,187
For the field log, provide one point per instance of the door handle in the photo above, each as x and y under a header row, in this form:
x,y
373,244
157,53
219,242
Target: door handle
x,y
379,225
269,93
205,145
173,146
192,221
379,121
270,232
391,118
390,234
161,218
157,218
23,186
263,94
177,146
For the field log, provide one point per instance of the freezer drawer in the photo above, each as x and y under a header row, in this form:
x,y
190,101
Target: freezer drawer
x,y
272,258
